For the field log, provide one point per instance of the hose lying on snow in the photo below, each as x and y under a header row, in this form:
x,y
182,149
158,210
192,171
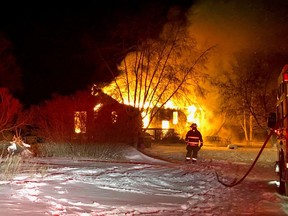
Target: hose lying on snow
x,y
235,182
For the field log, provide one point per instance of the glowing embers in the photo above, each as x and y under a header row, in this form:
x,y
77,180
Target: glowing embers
x,y
98,107
80,118
96,110
114,117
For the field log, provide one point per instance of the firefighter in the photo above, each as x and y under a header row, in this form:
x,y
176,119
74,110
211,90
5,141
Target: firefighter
x,y
194,143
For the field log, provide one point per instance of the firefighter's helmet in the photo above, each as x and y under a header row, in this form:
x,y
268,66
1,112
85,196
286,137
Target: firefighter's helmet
x,y
193,125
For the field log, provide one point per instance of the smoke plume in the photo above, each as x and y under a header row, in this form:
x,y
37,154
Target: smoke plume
x,y
238,26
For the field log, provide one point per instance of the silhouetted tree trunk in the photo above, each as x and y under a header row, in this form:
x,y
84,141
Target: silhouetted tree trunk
x,y
249,88
158,71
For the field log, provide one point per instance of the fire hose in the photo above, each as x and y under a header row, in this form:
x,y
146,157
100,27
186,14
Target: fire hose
x,y
236,182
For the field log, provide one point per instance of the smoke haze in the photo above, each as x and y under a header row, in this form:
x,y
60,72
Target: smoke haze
x,y
238,26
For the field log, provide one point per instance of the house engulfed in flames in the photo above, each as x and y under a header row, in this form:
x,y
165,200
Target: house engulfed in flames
x,y
106,120
173,120
111,121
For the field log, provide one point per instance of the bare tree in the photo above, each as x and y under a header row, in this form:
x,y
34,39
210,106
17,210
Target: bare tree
x,y
55,118
249,93
157,71
11,114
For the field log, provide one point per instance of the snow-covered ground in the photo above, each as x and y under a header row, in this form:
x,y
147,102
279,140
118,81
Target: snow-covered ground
x,y
145,186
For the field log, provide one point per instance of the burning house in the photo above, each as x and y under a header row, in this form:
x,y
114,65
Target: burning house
x,y
113,121
110,121
84,117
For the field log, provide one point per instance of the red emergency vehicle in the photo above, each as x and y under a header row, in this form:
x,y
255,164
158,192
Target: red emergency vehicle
x,y
279,123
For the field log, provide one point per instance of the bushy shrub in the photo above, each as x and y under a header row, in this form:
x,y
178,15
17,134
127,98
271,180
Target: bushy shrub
x,y
100,151
171,137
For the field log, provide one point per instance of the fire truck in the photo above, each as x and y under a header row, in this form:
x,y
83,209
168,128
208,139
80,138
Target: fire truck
x,y
278,122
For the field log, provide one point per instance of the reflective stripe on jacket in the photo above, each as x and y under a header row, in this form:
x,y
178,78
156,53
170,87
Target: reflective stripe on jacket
x,y
193,137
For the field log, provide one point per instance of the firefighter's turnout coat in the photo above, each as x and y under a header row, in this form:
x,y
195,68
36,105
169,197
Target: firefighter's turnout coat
x,y
194,137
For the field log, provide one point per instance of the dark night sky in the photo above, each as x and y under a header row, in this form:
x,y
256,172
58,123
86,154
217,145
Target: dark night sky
x,y
55,45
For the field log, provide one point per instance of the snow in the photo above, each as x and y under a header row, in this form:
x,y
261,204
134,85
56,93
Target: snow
x,y
143,185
